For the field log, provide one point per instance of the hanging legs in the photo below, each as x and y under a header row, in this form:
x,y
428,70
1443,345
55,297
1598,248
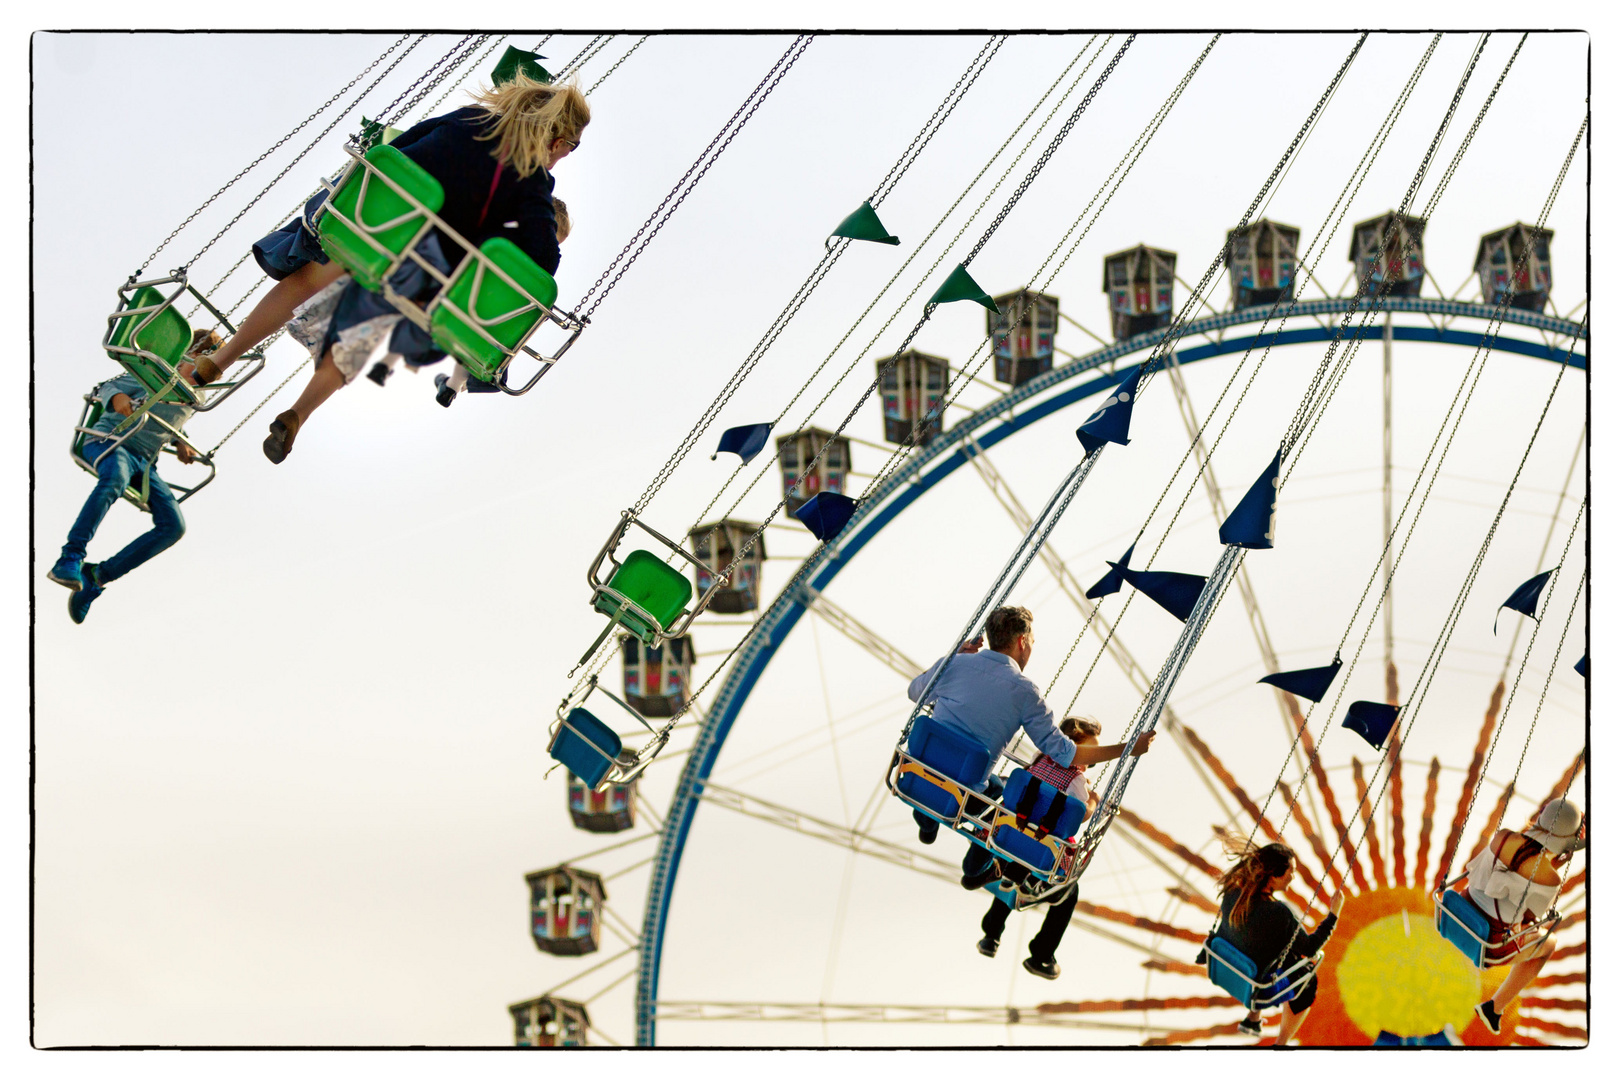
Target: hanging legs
x,y
270,314
326,381
1518,978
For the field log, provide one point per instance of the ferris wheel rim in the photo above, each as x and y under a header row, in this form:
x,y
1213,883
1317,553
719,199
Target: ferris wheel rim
x,y
953,448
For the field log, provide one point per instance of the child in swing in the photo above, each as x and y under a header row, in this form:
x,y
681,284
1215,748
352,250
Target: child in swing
x,y
534,125
459,379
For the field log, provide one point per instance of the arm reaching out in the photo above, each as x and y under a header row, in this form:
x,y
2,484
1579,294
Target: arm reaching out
x,y
1096,755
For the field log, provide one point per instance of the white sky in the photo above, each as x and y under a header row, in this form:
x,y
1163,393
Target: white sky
x,y
288,776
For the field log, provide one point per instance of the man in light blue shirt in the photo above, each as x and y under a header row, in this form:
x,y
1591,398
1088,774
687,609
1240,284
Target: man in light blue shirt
x,y
985,697
117,465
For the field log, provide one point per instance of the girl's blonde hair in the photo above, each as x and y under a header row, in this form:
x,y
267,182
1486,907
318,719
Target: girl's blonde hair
x,y
529,116
565,224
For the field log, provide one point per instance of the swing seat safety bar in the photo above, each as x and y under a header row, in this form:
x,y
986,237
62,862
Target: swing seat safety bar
x,y
590,748
84,430
1460,921
976,817
454,316
150,338
1238,975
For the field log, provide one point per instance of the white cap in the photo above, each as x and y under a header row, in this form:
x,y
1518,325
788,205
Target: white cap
x,y
1556,827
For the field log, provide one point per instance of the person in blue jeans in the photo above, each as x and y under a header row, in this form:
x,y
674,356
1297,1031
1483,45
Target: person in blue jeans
x,y
115,469
985,697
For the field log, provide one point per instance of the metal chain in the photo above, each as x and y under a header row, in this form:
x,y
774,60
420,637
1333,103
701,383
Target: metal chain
x,y
656,220
305,123
301,154
466,46
581,56
932,125
639,43
386,114
768,467
433,110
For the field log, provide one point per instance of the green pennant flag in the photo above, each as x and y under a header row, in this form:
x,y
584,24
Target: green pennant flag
x,y
515,60
373,134
961,286
863,224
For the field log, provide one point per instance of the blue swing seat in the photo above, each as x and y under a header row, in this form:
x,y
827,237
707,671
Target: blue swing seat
x,y
586,746
1049,816
1233,971
1463,924
960,759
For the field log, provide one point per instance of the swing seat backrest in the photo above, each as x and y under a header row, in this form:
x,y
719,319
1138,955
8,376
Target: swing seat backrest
x,y
585,746
166,336
1047,815
960,759
478,294
1231,970
387,222
659,592
1463,924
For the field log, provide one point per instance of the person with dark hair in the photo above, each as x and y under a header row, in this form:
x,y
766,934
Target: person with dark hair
x,y
1514,880
1264,928
985,697
1085,733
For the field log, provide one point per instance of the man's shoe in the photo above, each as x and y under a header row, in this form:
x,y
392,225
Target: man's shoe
x,y
987,946
1486,1011
981,879
67,572
1250,1026
1044,969
379,373
80,600
928,833
447,394
278,444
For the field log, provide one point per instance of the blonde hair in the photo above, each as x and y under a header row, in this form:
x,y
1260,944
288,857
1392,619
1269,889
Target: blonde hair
x,y
565,224
529,116
203,342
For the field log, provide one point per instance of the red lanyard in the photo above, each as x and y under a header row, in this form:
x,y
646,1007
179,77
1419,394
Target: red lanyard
x,y
493,184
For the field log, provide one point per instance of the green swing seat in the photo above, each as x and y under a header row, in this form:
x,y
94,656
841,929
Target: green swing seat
x,y
167,337
504,313
655,588
388,224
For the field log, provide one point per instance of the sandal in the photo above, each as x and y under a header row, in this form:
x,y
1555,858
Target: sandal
x,y
278,444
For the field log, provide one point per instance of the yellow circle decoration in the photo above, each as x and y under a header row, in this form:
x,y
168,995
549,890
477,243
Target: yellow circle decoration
x,y
1399,975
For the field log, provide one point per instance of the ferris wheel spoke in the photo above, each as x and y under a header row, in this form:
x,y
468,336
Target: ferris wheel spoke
x,y
1375,854
862,635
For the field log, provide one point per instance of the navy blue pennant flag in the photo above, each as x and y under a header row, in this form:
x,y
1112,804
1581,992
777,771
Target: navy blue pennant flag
x,y
826,514
1311,683
1176,593
746,441
1580,666
1111,581
1371,720
1253,523
1112,420
1526,597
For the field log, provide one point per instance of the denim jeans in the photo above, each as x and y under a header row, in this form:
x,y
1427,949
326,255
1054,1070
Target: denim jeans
x,y
114,474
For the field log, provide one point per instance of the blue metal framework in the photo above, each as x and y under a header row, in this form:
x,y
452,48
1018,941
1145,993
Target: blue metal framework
x,y
949,452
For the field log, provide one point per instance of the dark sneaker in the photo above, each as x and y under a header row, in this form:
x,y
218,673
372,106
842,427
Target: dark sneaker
x,y
445,395
1044,969
1250,1026
987,946
1486,1011
80,600
981,879
379,373
66,572
928,833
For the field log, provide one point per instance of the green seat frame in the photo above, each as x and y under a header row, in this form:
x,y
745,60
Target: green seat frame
x,y
138,491
645,594
481,318
149,338
380,209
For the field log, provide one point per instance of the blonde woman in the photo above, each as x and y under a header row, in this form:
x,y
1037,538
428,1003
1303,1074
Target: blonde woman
x,y
494,161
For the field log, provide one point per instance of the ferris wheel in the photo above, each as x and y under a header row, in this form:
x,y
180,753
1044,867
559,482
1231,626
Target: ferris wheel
x,y
772,810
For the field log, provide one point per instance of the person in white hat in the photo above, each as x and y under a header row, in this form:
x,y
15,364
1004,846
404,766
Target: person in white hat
x,y
1514,882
